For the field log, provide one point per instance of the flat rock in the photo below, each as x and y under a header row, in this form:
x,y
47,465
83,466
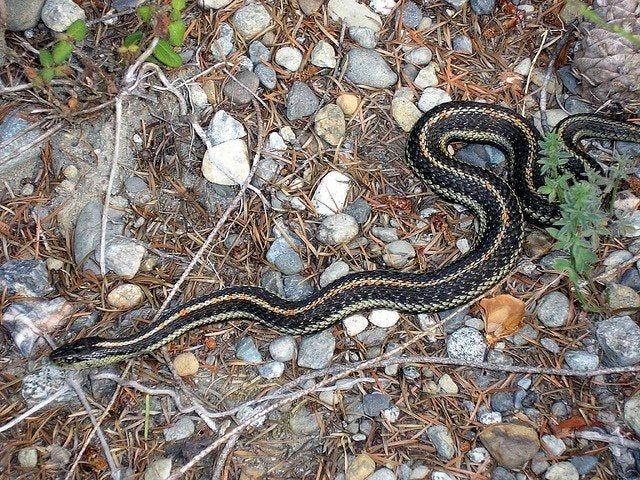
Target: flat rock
x,y
511,445
367,67
227,163
619,338
354,14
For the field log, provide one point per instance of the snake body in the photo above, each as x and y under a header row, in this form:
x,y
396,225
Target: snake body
x,y
500,206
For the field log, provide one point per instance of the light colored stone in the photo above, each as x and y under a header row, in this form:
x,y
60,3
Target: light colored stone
x,y
323,55
159,469
355,324
384,318
348,102
125,296
330,124
251,19
354,14
213,4
331,193
426,77
405,113
186,364
58,15
223,127
227,163
360,468
432,97
289,58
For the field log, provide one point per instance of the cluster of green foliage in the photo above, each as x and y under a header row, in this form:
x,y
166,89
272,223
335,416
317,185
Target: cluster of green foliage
x,y
583,217
54,60
167,25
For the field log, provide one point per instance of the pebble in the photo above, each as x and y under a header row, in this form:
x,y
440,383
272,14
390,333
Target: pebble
x,y
283,349
223,127
477,454
419,56
323,55
309,7
297,287
397,254
222,46
361,467
304,422
289,58
266,75
363,36
500,473
511,445
562,471
159,469
123,256
584,463
316,350
622,299
552,86
337,229
384,318
183,428
251,20
553,310
213,4
28,457
333,272
437,475
354,14
271,370
581,360
575,105
502,402
411,14
58,15
227,163
23,15
25,278
355,324
247,350
348,102
284,257
405,113
629,227
442,440
457,4
619,338
125,296
632,413
258,52
386,234
137,190
447,385
553,445
523,67
43,383
382,474
476,323
432,97
426,77
489,418
359,209
462,44
376,402
301,101
367,67
186,364
59,456
272,281
466,344
463,245
483,7
330,124
616,258
241,89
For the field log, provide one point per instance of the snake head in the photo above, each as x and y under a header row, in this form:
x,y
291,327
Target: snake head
x,y
77,354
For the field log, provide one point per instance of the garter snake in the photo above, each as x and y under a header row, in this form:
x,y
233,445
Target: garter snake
x,y
500,206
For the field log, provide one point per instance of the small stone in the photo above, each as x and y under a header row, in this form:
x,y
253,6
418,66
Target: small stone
x,y
442,440
223,45
362,465
562,471
382,474
331,193
271,370
553,310
367,67
398,254
258,52
289,58
632,413
385,234
316,350
309,7
630,227
500,473
58,15
333,272
247,350
59,456
619,338
241,89
323,55
432,97
363,36
538,75
227,163
457,4
25,278
411,14
405,113
483,7
437,475
489,418
159,469
466,344
182,429
223,127
553,445
478,454
348,103
462,44
584,463
502,402
297,287
355,324
622,299
283,349
186,364
266,75
337,229
426,77
447,385
550,345
304,422
125,296
384,318
511,445
330,124
123,256
284,257
476,323
376,402
359,209
581,360
301,101
419,56
28,457
354,14
251,20
463,245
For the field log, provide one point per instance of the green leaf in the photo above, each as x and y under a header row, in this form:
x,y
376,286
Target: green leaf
x,y
46,59
47,74
132,39
178,5
145,12
176,31
62,52
77,30
165,54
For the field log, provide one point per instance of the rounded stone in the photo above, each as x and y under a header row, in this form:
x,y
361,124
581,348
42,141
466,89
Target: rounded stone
x,y
186,364
251,19
466,344
511,445
125,296
283,349
553,310
398,254
384,318
330,124
355,324
348,102
227,163
367,67
562,471
331,193
28,457
58,15
289,58
337,229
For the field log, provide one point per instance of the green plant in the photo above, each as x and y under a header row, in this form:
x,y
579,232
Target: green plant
x,y
54,60
167,26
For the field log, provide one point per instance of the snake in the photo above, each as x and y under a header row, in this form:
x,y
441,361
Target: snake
x,y
501,206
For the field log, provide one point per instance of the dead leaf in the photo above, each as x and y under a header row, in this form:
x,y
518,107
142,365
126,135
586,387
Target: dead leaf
x,y
568,426
504,315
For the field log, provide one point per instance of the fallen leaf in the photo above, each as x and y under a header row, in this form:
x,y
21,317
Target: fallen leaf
x,y
568,426
504,315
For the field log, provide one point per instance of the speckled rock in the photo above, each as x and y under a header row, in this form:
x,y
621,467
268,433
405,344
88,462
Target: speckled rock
x,y
367,67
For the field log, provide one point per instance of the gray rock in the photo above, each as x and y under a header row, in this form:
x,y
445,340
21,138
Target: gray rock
x,y
569,81
266,75
22,14
539,463
258,52
386,234
333,272
560,409
123,256
224,127
13,132
247,350
483,7
562,471
297,287
632,413
87,232
382,474
629,227
223,45
137,190
456,321
359,209
26,278
316,350
367,67
581,360
241,89
501,473
372,336
419,56
251,19
631,278
462,44
301,101
524,336
374,403
337,229
553,310
456,3
283,349
398,254
159,469
304,422
59,14
622,299
553,445
466,344
584,463
309,7
59,456
502,402
411,14
330,124
28,457
442,440
182,429
289,58
206,4
284,257
363,36
272,281
432,97
550,344
271,370
619,338
575,105
323,55
45,382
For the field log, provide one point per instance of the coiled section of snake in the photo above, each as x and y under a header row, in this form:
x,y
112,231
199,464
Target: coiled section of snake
x,y
500,207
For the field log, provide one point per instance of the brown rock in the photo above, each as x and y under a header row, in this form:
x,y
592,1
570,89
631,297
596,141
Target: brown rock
x,y
510,444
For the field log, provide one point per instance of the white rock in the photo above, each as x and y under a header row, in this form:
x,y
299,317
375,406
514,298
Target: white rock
x,y
523,67
289,58
331,193
198,96
426,77
383,7
58,15
223,127
384,318
213,4
355,324
125,296
432,97
323,55
405,113
227,163
354,14
275,143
